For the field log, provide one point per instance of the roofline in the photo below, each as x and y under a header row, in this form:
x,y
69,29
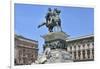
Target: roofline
x,y
81,37
20,36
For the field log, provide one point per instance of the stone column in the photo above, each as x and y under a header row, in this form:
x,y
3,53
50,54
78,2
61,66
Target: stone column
x,y
77,57
81,54
86,47
91,55
72,55
86,56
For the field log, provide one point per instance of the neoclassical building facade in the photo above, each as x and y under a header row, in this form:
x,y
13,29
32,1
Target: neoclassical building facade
x,y
81,48
25,50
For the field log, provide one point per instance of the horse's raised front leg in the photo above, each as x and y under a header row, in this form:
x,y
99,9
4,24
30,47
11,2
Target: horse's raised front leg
x,y
41,25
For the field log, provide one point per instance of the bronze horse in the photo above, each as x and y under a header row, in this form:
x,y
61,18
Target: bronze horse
x,y
54,21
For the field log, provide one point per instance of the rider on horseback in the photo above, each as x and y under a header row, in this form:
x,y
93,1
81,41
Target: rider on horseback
x,y
52,19
48,16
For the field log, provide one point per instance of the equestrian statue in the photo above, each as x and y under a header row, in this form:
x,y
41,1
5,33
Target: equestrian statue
x,y
52,20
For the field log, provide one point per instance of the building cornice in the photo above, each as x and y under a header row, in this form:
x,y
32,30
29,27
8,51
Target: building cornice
x,y
80,38
25,39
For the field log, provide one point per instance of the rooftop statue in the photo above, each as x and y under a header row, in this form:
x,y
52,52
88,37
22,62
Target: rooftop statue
x,y
52,20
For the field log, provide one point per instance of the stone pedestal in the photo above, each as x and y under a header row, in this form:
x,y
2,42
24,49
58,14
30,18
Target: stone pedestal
x,y
55,48
59,56
55,40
